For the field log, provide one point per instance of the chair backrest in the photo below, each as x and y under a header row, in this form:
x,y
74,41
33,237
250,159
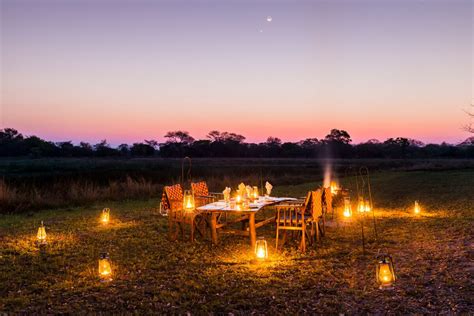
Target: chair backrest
x,y
172,197
200,188
328,199
317,204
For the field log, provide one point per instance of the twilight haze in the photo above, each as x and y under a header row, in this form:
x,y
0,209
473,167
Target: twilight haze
x,y
133,70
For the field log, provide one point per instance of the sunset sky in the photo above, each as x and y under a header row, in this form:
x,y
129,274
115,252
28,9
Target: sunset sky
x,y
133,70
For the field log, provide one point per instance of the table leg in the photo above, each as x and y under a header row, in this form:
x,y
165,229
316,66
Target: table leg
x,y
214,227
252,230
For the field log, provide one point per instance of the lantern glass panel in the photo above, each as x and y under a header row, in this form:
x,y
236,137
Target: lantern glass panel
x,y
105,215
188,201
385,272
261,249
105,269
41,235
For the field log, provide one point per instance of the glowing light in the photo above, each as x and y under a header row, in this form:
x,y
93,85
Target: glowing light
x,y
417,208
385,273
347,208
261,249
41,235
105,216
269,18
188,201
105,269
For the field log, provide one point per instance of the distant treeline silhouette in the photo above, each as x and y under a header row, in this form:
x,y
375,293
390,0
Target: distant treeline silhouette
x,y
337,144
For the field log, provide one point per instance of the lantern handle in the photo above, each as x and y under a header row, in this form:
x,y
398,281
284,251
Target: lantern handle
x,y
189,171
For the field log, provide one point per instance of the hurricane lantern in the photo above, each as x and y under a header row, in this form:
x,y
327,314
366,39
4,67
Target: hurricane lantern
x,y
367,208
238,199
41,235
384,272
347,208
105,216
417,208
361,206
188,201
105,269
255,193
261,249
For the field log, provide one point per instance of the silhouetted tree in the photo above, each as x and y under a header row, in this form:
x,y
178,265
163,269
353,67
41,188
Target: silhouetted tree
x,y
142,149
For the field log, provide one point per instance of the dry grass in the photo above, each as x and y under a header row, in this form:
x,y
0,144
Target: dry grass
x,y
72,193
152,275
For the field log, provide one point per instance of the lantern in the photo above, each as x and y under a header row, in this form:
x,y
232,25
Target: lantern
x,y
41,235
361,206
105,270
255,193
105,216
417,208
368,208
384,272
188,201
238,199
347,208
261,250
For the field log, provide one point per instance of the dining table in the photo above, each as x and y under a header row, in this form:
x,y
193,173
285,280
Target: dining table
x,y
247,211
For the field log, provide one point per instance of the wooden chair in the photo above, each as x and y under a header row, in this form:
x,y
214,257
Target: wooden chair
x,y
327,208
317,214
294,218
201,193
178,218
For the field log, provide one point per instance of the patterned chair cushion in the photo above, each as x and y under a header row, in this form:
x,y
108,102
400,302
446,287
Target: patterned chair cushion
x,y
172,197
200,188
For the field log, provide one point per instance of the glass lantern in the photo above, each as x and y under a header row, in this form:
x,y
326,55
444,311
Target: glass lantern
x,y
385,273
41,235
261,249
105,216
255,193
368,207
417,208
347,208
105,269
361,206
188,201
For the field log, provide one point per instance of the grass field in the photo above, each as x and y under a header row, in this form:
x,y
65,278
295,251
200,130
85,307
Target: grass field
x,y
153,275
31,184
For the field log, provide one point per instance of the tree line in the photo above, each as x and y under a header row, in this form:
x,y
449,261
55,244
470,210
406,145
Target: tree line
x,y
336,144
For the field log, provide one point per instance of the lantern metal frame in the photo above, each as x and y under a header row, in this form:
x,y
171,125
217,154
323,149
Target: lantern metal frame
x,y
105,216
259,244
41,235
188,197
385,259
106,277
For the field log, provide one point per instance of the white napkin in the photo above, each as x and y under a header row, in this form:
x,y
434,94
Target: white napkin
x,y
249,191
226,193
242,190
269,188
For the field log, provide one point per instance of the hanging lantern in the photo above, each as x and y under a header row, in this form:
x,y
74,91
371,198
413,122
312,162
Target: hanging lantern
x,y
255,193
261,250
367,208
347,208
41,235
361,206
417,208
105,270
384,272
188,201
105,216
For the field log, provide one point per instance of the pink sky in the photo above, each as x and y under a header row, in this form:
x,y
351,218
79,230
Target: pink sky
x,y
133,70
